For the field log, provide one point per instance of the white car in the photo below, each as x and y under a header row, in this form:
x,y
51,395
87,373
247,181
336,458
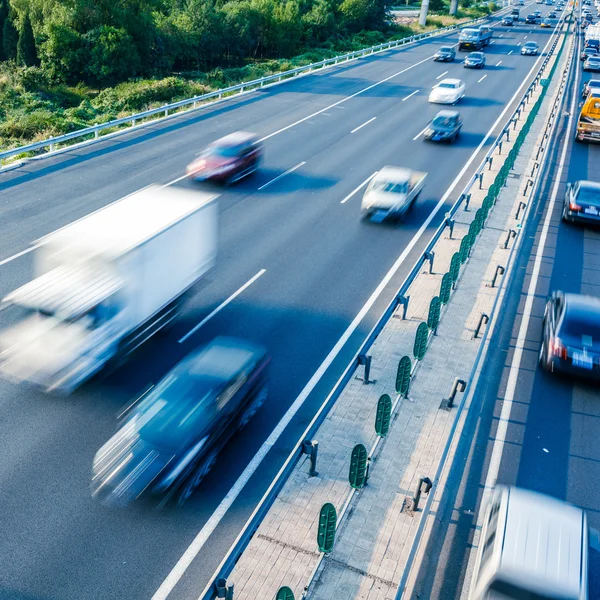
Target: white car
x,y
447,91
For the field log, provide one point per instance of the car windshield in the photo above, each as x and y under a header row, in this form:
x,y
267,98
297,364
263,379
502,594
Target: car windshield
x,y
390,187
448,85
443,122
445,49
530,45
585,327
177,410
589,196
476,55
224,151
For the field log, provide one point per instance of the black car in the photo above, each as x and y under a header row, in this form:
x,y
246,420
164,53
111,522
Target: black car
x,y
531,19
530,49
445,54
170,439
552,15
474,60
571,335
508,21
582,202
444,127
589,51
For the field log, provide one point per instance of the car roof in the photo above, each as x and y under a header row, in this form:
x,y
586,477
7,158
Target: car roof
x,y
450,80
234,139
395,174
582,304
590,185
543,539
531,44
593,83
448,114
446,48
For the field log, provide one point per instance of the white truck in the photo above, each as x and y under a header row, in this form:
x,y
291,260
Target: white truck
x,y
391,192
105,284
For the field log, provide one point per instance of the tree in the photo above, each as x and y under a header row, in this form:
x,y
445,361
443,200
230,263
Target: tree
x,y
436,6
26,50
3,17
10,37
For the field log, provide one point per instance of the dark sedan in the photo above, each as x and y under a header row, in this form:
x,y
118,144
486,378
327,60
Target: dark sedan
x,y
444,127
474,60
445,54
170,439
508,21
587,52
582,202
571,335
531,19
228,159
530,49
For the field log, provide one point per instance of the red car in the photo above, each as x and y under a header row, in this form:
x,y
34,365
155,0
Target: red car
x,y
228,159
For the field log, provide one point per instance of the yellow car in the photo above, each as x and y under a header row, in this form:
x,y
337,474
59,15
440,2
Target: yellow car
x,y
546,24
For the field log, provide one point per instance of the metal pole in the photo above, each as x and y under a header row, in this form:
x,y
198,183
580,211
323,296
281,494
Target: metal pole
x,y
423,15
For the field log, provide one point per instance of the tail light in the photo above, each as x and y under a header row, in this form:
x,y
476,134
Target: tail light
x,y
558,349
574,207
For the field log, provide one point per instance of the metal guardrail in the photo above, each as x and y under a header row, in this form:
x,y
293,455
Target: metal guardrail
x,y
239,545
95,130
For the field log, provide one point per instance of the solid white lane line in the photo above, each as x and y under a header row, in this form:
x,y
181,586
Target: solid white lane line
x,y
361,126
440,76
501,35
262,187
509,53
419,134
358,188
480,80
366,89
409,96
22,253
209,527
222,305
498,63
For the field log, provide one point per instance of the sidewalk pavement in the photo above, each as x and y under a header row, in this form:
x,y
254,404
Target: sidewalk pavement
x,y
374,534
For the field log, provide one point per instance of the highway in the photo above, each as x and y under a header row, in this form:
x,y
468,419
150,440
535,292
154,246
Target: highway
x,y
298,271
553,422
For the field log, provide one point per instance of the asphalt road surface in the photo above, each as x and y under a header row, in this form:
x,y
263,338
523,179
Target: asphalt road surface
x,y
321,284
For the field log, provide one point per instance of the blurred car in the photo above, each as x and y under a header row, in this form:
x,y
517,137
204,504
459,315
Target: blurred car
x,y
447,91
584,25
531,19
552,15
170,439
571,335
445,54
546,23
474,60
228,159
508,21
593,85
537,13
530,49
594,43
588,51
582,202
592,64
444,127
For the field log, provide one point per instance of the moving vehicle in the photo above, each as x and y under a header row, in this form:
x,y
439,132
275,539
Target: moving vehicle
x,y
589,87
445,54
530,49
507,21
474,60
592,64
475,39
582,202
552,15
105,284
589,18
392,192
531,19
531,546
229,159
447,91
515,14
587,52
588,124
444,127
546,23
571,335
592,36
538,13
170,439
593,43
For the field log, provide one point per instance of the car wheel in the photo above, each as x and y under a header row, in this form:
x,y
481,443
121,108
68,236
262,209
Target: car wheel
x,y
260,399
196,478
542,357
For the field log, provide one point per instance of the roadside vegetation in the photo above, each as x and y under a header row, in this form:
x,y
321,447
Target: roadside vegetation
x,y
67,64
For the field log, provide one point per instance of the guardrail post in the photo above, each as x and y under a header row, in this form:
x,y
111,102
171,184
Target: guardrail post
x,y
507,132
224,590
166,111
540,150
467,198
499,147
480,177
133,122
522,205
511,234
51,146
430,256
96,131
417,497
311,449
458,385
499,271
450,225
365,359
483,318
536,165
490,160
403,301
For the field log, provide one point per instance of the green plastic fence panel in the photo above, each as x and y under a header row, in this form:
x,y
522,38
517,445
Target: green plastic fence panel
x,y
284,593
454,267
465,246
445,288
403,375
326,530
435,306
358,467
421,341
383,415
473,230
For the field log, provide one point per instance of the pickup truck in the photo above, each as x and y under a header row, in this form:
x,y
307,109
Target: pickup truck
x,y
105,284
475,39
588,124
392,192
